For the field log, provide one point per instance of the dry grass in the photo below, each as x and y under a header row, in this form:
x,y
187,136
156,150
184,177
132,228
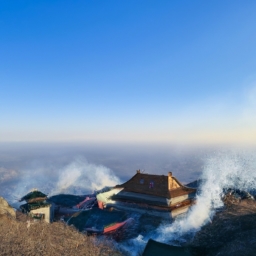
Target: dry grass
x,y
40,238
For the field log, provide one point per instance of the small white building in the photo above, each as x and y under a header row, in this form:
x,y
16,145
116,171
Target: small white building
x,y
37,206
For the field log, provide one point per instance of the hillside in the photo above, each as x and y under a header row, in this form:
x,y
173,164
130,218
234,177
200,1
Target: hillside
x,y
22,237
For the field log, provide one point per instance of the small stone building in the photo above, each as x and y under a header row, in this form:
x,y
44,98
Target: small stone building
x,y
37,206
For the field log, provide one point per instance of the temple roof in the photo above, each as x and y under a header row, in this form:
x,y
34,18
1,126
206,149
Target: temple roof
x,y
34,196
156,185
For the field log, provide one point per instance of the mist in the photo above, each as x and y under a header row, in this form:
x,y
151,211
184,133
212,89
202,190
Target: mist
x,y
81,177
82,168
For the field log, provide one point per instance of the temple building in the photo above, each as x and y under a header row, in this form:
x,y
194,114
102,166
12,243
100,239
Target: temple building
x,y
155,194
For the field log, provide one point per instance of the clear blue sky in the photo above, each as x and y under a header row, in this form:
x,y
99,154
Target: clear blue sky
x,y
172,71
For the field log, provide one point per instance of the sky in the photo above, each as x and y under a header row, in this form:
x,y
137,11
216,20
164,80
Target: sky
x,y
128,71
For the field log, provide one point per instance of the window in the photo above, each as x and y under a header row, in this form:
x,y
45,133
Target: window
x,y
141,181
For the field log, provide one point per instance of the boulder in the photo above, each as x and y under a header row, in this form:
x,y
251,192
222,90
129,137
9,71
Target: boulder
x,y
5,208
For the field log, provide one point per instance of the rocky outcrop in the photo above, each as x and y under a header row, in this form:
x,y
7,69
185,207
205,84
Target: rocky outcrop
x,y
5,208
231,232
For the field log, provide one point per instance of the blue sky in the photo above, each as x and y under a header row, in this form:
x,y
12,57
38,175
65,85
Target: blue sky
x,y
137,71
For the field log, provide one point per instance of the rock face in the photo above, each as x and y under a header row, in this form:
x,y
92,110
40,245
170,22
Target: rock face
x,y
232,231
5,208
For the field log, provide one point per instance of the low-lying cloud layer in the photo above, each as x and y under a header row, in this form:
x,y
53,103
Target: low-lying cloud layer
x,y
83,177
